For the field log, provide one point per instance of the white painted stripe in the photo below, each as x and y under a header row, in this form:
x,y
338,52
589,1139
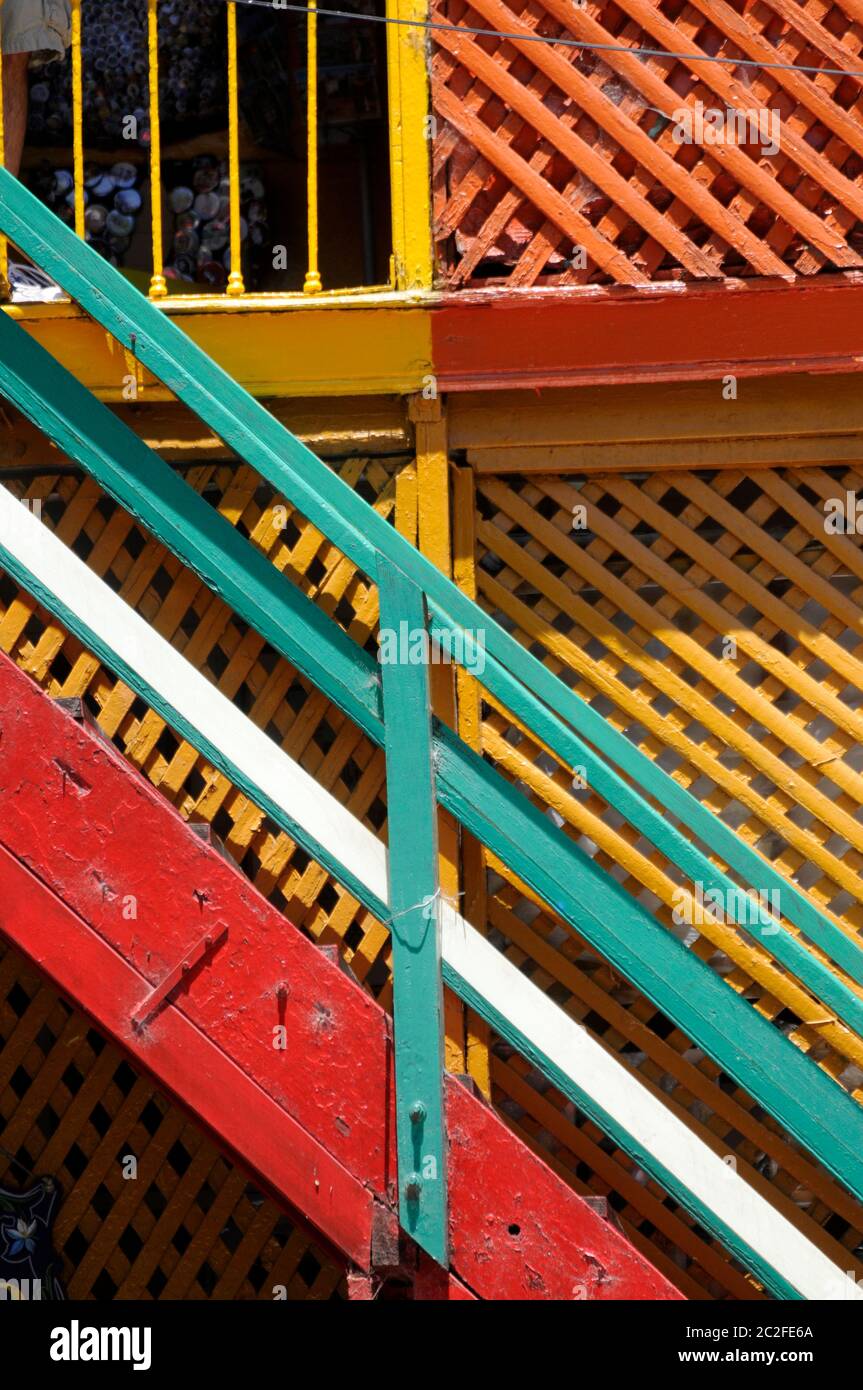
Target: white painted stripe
x,y
628,1101
191,694
566,1044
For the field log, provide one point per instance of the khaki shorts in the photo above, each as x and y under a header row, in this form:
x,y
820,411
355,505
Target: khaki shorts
x,y
40,27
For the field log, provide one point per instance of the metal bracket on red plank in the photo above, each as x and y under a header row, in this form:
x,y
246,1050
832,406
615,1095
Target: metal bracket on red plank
x,y
206,947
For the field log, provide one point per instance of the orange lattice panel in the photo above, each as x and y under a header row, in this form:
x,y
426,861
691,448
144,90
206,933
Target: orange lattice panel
x,y
559,165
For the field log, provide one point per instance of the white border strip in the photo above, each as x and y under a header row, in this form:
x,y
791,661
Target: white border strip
x,y
284,781
564,1042
629,1102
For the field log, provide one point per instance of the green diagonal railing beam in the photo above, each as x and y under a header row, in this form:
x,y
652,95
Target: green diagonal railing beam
x,y
803,1098
163,502
512,673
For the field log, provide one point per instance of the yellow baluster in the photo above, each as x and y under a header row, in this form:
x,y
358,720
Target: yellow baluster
x,y
410,161
4,243
235,279
312,284
158,283
78,117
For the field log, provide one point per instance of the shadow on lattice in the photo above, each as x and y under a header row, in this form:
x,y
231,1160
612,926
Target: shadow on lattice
x,y
190,1226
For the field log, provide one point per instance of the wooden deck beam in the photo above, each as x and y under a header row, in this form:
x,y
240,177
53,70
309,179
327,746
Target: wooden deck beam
x,y
489,339
670,332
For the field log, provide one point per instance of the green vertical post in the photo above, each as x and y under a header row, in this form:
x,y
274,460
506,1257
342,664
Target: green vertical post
x,y
414,907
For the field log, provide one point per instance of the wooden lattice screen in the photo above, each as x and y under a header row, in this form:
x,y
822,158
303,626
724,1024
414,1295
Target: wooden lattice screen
x,y
190,1225
523,535
265,687
564,165
636,607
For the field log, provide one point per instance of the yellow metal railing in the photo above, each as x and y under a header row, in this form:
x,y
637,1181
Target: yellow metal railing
x,y
78,117
313,280
235,278
158,283
408,106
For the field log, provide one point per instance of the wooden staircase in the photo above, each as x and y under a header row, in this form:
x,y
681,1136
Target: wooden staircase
x,y
258,1032
195,996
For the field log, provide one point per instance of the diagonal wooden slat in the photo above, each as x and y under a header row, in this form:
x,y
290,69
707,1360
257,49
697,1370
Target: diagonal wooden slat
x,y
547,198
795,212
520,99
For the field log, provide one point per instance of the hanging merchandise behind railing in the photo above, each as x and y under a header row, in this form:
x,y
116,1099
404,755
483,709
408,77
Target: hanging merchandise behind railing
x,y
219,149
427,762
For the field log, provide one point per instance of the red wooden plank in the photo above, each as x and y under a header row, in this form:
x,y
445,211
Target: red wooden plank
x,y
519,1232
500,339
185,1062
82,836
122,858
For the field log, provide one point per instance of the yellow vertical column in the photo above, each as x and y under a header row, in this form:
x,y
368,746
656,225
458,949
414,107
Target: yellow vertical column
x,y
235,279
312,283
158,283
433,539
473,868
78,118
410,145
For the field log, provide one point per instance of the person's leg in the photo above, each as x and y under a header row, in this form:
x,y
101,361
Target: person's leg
x,y
15,94
28,29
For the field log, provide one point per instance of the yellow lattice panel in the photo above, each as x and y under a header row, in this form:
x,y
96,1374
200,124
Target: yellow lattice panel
x,y
630,589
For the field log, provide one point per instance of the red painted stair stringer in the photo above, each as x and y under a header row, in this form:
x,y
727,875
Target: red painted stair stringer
x,y
107,890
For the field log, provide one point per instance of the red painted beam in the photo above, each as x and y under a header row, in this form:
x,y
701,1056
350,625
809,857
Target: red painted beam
x,y
121,858
508,1239
107,890
185,1062
597,336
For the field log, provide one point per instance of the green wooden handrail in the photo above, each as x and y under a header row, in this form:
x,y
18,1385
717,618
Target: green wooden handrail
x,y
142,483
799,1094
557,714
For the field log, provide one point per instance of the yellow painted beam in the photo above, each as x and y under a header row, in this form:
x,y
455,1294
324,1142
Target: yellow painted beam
x,y
740,452
433,540
333,426
473,854
575,427
410,146
365,347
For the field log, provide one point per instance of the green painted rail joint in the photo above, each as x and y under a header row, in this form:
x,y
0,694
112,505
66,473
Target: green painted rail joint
x,y
414,926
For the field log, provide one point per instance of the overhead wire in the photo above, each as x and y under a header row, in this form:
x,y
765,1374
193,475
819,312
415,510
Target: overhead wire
x,y
637,51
